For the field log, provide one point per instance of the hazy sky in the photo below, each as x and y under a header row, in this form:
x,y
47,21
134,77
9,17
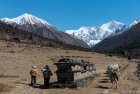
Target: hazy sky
x,y
72,14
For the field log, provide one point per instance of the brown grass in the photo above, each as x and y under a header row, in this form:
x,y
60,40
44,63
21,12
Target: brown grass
x,y
15,67
4,88
8,76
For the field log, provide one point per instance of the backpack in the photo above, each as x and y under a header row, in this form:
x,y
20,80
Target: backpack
x,y
45,74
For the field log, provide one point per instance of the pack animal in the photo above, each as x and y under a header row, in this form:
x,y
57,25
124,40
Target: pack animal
x,y
113,72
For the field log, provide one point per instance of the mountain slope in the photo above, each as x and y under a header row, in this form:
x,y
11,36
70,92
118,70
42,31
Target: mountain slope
x,y
129,40
134,23
93,35
12,34
40,27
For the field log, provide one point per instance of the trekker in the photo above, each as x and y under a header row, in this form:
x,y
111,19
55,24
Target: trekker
x,y
46,74
33,73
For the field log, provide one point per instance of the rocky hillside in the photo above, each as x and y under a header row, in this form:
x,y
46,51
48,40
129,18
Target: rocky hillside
x,y
13,34
127,41
42,28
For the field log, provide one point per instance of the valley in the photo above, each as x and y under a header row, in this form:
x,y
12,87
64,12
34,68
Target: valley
x,y
17,59
69,47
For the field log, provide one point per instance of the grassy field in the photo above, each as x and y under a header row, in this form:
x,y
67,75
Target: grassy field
x,y
16,61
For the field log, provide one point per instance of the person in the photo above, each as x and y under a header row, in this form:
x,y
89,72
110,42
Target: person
x,y
46,74
34,73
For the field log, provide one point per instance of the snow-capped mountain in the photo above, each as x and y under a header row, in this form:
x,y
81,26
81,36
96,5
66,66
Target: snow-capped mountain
x,y
27,22
134,23
127,41
93,35
25,19
40,27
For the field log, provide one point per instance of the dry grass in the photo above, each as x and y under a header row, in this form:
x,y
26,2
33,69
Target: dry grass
x,y
8,76
4,88
15,67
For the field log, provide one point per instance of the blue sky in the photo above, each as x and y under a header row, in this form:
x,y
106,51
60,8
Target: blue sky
x,y
72,14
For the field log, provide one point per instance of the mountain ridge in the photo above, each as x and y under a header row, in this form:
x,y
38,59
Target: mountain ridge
x,y
93,35
40,27
25,18
118,44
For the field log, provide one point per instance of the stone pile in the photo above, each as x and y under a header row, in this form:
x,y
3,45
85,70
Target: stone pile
x,y
74,72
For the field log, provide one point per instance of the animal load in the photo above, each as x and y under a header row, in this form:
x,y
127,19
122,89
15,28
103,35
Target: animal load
x,y
74,72
113,68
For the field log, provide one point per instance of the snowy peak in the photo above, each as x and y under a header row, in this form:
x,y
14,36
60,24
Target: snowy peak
x,y
35,25
88,29
93,35
111,26
82,30
135,22
25,19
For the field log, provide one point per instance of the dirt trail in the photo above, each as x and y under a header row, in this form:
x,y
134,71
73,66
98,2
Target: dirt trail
x,y
21,59
104,84
100,85
126,85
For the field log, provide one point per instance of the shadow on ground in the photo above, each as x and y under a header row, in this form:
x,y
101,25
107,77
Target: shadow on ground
x,y
102,87
51,86
103,81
